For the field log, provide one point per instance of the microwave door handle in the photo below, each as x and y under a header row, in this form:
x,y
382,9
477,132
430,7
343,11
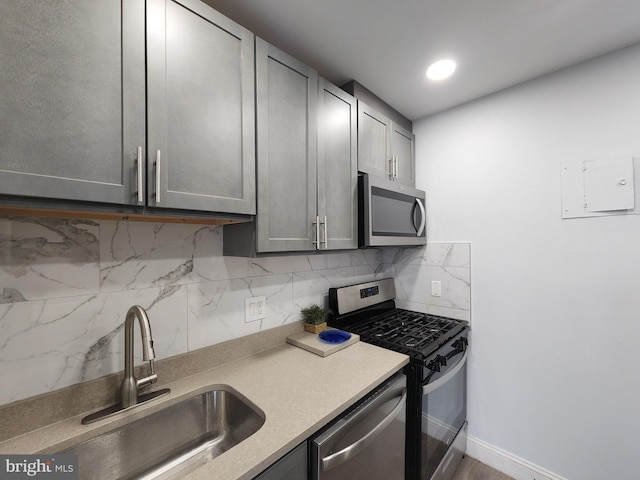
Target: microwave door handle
x,y
356,447
430,387
423,222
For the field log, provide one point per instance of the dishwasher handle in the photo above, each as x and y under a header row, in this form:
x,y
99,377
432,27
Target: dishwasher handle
x,y
356,447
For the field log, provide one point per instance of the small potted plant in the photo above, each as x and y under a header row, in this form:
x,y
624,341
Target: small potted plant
x,y
314,317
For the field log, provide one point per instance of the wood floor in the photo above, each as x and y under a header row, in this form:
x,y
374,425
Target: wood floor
x,y
471,469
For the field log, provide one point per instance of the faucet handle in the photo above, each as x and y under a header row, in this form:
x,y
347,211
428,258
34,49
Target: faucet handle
x,y
148,380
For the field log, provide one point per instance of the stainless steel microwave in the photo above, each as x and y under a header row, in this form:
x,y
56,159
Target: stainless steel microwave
x,y
390,214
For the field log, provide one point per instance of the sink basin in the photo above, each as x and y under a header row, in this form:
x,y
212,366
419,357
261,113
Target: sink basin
x,y
173,441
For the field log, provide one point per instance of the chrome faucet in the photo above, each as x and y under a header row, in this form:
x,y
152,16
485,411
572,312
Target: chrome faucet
x,y
131,384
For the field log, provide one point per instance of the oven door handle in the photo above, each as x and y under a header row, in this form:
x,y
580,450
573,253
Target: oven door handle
x,y
430,387
356,447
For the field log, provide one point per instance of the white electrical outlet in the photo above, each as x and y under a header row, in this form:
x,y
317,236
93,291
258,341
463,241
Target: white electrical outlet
x,y
436,288
255,308
261,307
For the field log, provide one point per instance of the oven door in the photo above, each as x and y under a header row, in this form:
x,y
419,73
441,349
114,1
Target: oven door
x,y
444,411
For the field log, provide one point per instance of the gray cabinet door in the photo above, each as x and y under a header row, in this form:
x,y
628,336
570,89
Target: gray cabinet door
x,y
402,151
337,168
293,466
287,93
200,96
385,149
72,113
374,141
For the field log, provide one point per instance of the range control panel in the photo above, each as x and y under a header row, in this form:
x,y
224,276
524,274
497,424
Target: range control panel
x,y
343,300
369,292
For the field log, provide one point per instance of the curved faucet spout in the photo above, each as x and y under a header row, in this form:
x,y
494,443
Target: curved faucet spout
x,y
130,384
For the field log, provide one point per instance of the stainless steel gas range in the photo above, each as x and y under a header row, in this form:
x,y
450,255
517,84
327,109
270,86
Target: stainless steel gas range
x,y
436,374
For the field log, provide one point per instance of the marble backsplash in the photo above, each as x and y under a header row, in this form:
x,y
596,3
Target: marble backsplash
x,y
67,284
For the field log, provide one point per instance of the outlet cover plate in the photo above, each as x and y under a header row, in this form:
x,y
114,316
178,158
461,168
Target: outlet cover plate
x,y
255,308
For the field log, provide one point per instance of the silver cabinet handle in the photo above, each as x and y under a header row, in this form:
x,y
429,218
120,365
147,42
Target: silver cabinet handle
x,y
356,447
430,387
326,234
423,222
140,193
157,176
393,167
316,242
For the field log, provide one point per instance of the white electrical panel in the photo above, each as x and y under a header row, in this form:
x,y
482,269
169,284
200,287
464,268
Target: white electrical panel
x,y
599,187
608,185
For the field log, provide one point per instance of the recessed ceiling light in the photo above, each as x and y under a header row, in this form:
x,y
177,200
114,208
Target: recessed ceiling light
x,y
441,69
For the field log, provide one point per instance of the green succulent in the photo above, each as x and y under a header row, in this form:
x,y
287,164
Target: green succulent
x,y
314,314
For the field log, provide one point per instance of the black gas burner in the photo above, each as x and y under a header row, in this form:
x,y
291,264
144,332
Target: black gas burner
x,y
410,342
369,309
413,333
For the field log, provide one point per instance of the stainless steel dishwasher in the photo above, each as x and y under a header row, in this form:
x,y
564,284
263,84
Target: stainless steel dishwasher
x,y
367,441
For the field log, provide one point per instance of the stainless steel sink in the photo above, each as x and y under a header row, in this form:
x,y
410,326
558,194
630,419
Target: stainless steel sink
x,y
173,441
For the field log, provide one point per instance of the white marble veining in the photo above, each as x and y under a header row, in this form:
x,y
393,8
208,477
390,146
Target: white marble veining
x,y
216,309
449,255
50,344
67,284
47,258
143,255
415,268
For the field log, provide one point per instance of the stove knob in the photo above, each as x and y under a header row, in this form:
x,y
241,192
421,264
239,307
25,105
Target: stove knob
x,y
434,365
442,359
461,344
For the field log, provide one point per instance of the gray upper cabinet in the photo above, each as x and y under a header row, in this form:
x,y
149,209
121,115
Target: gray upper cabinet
x,y
72,108
200,103
306,162
337,168
374,141
385,149
403,154
89,113
287,98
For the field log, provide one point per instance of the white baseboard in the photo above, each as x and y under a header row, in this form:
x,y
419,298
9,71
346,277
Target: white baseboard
x,y
506,462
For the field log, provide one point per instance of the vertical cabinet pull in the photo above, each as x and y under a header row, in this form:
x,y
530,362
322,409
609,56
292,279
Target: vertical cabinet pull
x,y
316,242
157,176
326,234
140,193
393,167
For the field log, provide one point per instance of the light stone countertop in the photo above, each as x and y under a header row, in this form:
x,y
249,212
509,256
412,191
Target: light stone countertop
x,y
298,392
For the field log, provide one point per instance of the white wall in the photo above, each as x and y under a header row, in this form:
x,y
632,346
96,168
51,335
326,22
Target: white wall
x,y
555,363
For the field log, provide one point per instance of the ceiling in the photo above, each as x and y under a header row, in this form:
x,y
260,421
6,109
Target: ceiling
x,y
386,45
